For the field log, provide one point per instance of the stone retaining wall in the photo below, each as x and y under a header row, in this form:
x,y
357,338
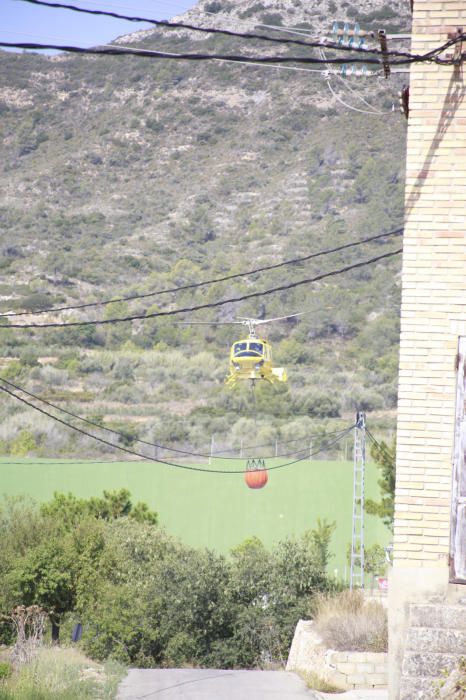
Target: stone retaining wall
x,y
345,669
357,669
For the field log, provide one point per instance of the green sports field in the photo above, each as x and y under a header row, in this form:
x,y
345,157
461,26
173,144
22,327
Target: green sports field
x,y
215,510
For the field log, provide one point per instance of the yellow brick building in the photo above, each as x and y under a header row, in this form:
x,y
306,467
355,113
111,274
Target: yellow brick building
x,y
433,318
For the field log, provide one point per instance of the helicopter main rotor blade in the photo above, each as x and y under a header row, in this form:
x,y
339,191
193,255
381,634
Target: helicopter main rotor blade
x,y
259,321
206,323
246,320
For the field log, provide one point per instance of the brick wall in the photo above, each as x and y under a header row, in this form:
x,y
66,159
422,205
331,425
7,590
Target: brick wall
x,y
433,316
433,312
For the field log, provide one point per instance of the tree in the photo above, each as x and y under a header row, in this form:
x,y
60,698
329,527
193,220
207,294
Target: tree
x,y
319,541
120,609
191,587
69,510
46,576
375,561
385,458
65,557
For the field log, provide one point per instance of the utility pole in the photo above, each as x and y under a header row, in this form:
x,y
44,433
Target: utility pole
x,y
357,536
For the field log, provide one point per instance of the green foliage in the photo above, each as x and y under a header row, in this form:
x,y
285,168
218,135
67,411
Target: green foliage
x,y
45,576
385,458
319,542
320,404
118,624
36,302
69,510
292,351
58,570
6,670
79,336
144,598
315,682
23,444
254,9
192,594
59,674
28,357
375,561
272,18
214,6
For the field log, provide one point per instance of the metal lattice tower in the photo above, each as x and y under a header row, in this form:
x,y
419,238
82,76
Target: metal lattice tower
x,y
357,538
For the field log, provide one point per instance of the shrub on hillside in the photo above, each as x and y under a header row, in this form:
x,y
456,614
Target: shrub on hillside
x,y
148,600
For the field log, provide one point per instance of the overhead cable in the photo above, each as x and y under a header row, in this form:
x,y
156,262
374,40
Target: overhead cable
x,y
211,30
350,107
372,109
162,461
225,278
209,305
384,449
269,66
431,56
95,424
146,53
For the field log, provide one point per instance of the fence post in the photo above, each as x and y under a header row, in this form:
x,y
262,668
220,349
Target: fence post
x,y
211,449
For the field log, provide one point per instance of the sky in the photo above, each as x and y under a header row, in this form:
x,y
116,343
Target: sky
x,y
21,21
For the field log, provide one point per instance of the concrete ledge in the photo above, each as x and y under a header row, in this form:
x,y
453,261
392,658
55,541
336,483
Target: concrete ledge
x,y
346,669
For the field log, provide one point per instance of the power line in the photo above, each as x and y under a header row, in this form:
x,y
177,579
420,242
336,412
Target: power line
x,y
211,30
274,27
234,58
382,448
225,278
249,64
252,63
398,58
167,24
348,106
209,305
161,461
407,59
165,447
345,104
70,461
360,97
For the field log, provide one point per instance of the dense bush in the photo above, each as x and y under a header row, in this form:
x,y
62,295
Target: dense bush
x,y
146,599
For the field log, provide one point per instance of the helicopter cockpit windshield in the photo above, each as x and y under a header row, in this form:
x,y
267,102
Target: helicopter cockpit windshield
x,y
250,349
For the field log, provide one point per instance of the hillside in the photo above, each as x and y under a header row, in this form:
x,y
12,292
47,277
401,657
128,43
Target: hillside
x,y
122,176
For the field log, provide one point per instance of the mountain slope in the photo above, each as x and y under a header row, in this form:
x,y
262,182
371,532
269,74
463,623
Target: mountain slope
x,y
123,175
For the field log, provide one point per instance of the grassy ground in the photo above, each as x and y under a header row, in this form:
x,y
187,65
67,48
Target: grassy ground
x,y
215,510
62,674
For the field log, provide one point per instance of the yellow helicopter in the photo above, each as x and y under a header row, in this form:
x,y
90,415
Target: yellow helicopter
x,y
251,357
